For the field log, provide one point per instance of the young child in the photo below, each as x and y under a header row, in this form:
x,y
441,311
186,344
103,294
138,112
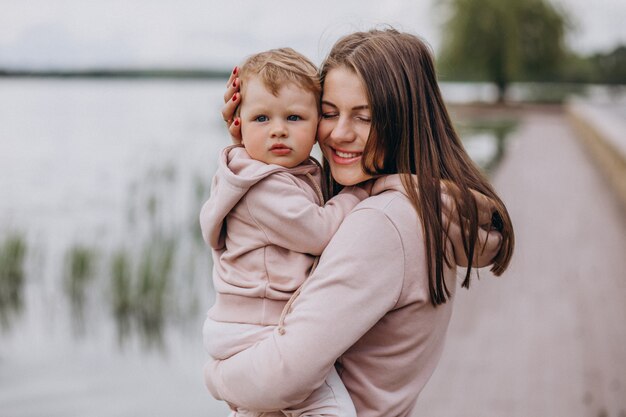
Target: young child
x,y
266,220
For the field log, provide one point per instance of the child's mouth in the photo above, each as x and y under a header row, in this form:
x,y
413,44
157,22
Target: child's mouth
x,y
280,149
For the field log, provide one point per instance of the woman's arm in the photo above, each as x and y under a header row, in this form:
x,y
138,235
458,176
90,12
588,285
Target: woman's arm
x,y
358,280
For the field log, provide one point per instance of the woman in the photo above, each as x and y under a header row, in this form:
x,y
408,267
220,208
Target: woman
x,y
381,297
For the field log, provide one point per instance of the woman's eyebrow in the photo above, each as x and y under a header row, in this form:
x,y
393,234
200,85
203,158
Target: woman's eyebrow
x,y
361,107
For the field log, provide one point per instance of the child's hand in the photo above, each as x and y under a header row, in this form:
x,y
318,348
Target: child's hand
x,y
232,98
448,207
487,243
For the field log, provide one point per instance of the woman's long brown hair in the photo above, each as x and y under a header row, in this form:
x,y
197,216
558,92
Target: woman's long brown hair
x,y
412,135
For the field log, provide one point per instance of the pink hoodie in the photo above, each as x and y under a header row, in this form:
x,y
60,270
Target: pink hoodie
x,y
368,304
266,224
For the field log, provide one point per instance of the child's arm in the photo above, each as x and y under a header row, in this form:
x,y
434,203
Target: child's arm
x,y
291,218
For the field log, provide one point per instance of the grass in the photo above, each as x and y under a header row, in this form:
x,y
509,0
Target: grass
x,y
79,273
153,281
140,290
121,281
12,276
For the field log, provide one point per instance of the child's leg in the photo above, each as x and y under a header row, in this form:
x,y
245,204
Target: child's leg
x,y
330,400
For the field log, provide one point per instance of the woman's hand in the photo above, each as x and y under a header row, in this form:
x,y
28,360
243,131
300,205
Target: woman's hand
x,y
232,99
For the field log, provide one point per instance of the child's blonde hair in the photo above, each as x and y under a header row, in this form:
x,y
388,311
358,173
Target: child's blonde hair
x,y
278,67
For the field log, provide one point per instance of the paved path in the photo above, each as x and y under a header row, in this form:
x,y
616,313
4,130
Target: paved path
x,y
548,338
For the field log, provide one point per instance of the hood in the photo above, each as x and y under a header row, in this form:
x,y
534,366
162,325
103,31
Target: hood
x,y
237,172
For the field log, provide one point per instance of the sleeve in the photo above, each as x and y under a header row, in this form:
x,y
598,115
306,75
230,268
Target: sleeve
x,y
292,219
358,280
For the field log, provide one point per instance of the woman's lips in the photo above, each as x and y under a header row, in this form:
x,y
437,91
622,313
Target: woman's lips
x,y
280,150
343,157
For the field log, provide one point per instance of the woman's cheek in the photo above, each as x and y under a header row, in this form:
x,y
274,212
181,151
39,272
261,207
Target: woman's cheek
x,y
322,131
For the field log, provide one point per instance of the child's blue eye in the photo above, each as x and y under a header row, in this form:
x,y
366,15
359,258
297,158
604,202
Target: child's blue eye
x,y
294,118
261,118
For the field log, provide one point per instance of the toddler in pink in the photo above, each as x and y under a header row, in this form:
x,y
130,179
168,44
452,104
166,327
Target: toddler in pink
x,y
266,220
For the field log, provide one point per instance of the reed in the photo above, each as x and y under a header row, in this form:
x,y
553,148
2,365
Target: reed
x,y
78,274
153,282
139,288
12,256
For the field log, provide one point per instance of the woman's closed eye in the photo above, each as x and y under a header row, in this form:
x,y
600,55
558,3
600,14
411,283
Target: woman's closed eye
x,y
329,115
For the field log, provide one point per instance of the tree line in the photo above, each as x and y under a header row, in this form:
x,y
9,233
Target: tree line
x,y
519,40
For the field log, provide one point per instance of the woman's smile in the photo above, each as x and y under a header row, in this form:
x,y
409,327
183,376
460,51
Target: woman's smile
x,y
344,157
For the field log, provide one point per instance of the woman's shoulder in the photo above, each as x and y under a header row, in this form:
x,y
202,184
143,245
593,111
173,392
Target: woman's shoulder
x,y
393,204
389,215
388,224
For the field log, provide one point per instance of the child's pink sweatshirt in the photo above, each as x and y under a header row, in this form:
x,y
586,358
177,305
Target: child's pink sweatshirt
x,y
367,303
265,224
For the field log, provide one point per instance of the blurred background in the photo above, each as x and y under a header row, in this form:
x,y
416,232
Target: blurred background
x,y
109,133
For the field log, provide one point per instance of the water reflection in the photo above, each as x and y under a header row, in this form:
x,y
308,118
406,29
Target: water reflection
x,y
12,255
485,139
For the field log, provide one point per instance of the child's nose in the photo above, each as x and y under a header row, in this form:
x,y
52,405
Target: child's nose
x,y
278,129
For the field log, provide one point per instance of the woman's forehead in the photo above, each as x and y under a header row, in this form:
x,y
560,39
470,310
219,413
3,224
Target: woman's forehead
x,y
343,85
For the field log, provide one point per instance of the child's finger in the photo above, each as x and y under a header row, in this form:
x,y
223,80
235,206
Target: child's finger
x,y
448,205
485,207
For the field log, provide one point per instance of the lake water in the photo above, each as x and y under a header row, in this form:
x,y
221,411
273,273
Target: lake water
x,y
104,279
94,173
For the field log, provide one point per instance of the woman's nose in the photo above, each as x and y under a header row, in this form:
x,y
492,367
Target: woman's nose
x,y
278,129
343,131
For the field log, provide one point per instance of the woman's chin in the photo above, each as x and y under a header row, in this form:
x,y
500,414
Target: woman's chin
x,y
349,178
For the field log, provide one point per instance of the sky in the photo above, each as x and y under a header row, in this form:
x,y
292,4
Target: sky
x,y
220,33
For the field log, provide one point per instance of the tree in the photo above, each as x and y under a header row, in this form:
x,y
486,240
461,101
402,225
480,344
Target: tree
x,y
503,41
611,67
